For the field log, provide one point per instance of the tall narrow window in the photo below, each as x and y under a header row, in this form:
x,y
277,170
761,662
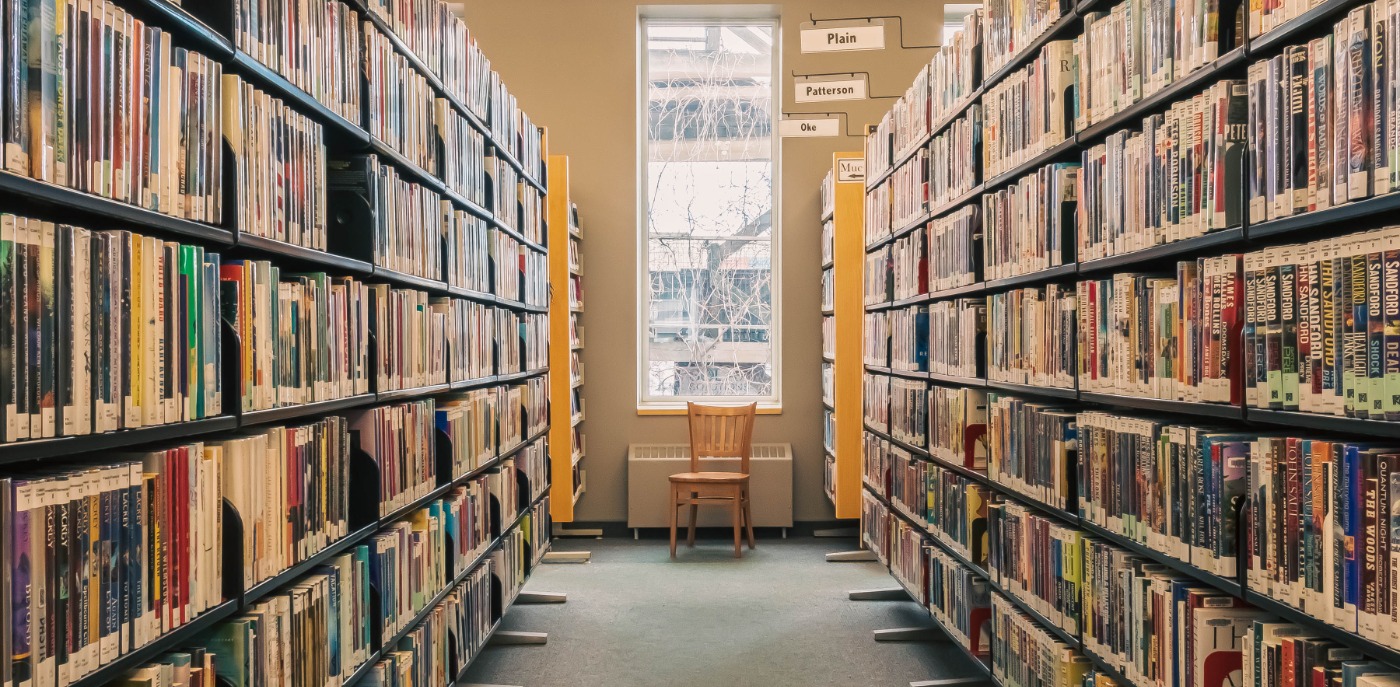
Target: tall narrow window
x,y
709,220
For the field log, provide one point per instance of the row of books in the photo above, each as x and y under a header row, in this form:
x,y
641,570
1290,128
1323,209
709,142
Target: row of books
x,y
1163,337
876,399
1177,178
67,72
1038,560
828,300
906,558
957,426
464,153
136,318
524,411
1046,469
878,213
1029,111
279,166
961,325
399,102
447,639
955,249
520,273
1008,26
942,86
960,601
1031,336
952,159
1324,120
1029,225
908,410
470,422
1136,49
523,343
409,222
909,190
314,45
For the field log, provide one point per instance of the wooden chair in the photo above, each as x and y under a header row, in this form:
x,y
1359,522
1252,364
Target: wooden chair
x,y
716,432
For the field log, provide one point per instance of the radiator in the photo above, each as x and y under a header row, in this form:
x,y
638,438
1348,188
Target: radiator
x,y
650,466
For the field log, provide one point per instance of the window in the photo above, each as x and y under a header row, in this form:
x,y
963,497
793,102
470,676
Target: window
x,y
709,289
953,16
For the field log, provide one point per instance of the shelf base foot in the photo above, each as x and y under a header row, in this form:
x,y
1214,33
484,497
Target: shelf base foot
x,y
513,638
837,532
952,682
891,594
906,634
567,556
477,684
859,556
536,598
558,530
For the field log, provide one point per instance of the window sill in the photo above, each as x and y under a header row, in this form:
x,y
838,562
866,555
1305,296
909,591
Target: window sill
x,y
660,410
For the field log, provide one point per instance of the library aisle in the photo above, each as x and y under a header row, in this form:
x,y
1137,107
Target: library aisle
x,y
635,618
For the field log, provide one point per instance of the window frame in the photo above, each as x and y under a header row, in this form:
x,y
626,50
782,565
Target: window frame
x,y
751,15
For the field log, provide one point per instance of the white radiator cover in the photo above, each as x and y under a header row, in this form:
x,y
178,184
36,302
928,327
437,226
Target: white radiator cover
x,y
650,466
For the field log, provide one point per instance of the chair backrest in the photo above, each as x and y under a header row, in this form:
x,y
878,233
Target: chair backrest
x,y
721,432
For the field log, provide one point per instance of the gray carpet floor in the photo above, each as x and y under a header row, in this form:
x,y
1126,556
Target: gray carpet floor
x,y
777,617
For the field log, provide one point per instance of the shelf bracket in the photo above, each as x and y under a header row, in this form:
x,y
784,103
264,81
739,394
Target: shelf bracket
x,y
558,530
513,638
536,598
837,532
890,594
567,556
859,556
906,634
952,682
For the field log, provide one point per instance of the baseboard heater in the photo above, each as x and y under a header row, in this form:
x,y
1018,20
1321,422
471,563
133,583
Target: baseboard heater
x,y
650,466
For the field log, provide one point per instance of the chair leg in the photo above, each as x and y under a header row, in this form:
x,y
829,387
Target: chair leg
x,y
690,536
736,510
748,521
675,509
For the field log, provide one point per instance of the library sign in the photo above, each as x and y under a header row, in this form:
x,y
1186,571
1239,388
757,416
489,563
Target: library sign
x,y
868,35
809,128
827,89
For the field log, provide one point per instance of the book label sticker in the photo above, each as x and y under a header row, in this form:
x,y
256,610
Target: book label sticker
x,y
868,35
850,169
809,128
808,89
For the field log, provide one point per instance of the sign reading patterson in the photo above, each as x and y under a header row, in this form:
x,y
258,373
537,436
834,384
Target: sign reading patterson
x,y
810,90
809,128
865,36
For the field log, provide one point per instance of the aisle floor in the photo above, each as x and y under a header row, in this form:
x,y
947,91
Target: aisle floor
x,y
777,617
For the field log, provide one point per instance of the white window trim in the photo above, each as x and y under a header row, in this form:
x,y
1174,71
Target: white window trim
x,y
766,15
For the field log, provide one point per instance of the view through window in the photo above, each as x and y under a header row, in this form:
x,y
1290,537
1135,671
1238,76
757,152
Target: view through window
x,y
710,331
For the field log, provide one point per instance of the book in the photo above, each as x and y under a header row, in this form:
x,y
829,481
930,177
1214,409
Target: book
x,y
1029,225
1030,336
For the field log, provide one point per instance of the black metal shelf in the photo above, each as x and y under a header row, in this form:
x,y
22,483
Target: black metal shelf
x,y
1216,240
1104,665
1052,154
517,376
1221,411
293,573
876,307
1064,516
1372,649
1286,32
962,471
1061,25
1033,390
527,441
1224,584
903,374
473,295
263,77
1374,209
1028,609
974,193
1133,114
186,27
258,417
958,111
433,286
410,394
1328,423
1051,274
170,641
106,210
969,382
517,305
311,256
917,451
478,383
64,447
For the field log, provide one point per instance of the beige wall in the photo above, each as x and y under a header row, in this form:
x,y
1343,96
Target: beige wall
x,y
573,65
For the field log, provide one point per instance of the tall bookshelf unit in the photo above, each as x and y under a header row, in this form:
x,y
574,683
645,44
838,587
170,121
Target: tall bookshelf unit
x,y
1014,462
566,439
498,195
843,262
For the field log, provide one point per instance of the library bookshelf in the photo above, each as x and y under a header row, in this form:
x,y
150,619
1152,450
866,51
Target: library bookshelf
x,y
842,276
566,440
1020,449
462,269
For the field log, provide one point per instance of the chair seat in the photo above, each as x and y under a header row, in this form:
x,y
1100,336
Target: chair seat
x,y
711,477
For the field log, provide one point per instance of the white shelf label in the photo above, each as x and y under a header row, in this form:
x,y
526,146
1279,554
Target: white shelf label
x,y
810,128
821,90
865,36
850,169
